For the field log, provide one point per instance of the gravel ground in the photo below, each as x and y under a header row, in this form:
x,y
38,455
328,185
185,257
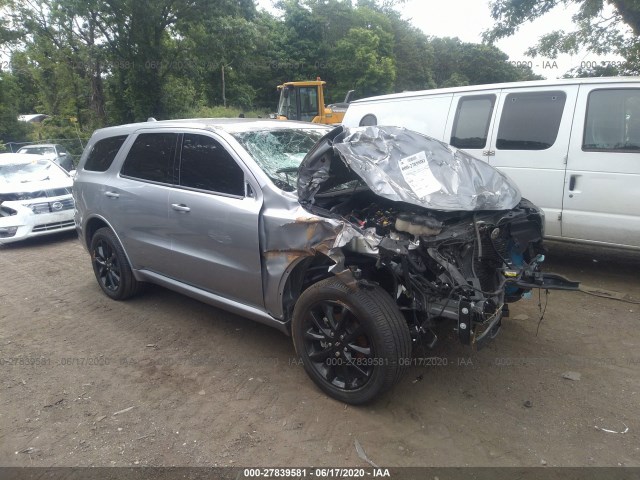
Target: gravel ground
x,y
165,380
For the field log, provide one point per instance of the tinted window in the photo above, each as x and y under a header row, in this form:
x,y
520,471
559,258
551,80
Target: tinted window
x,y
471,125
613,121
103,152
206,165
530,121
151,157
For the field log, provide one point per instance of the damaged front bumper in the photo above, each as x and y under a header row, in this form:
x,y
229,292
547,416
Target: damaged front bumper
x,y
20,220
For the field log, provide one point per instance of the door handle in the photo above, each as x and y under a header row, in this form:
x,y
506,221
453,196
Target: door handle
x,y
180,207
573,179
112,194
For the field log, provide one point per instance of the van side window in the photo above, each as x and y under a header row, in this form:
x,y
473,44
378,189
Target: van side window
x,y
103,152
530,121
613,121
471,124
206,165
151,157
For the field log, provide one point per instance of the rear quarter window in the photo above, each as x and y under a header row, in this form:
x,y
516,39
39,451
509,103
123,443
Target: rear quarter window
x,y
103,153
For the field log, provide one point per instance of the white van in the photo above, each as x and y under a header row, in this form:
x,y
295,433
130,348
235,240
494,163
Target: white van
x,y
573,146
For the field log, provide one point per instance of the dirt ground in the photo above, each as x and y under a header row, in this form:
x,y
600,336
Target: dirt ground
x,y
165,380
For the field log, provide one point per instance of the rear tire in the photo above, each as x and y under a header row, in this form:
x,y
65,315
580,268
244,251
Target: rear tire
x,y
354,344
111,267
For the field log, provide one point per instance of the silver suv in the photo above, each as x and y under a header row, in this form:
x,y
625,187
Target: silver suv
x,y
359,243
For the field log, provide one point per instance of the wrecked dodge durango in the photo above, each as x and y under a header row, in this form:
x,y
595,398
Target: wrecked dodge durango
x,y
360,243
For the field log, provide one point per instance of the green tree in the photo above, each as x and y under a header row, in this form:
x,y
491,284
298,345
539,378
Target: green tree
x,y
11,130
601,26
458,63
358,63
414,57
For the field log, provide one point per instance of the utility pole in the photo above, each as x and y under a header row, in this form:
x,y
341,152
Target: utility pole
x,y
224,97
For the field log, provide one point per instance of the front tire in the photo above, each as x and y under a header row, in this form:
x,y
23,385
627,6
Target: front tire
x,y
111,267
354,344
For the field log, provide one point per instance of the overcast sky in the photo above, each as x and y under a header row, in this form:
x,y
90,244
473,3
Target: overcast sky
x,y
467,19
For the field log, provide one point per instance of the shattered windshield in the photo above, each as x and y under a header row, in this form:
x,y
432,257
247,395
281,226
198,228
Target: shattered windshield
x,y
37,150
279,152
26,172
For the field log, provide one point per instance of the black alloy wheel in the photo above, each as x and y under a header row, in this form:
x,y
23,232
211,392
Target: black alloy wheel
x,y
337,345
354,342
111,267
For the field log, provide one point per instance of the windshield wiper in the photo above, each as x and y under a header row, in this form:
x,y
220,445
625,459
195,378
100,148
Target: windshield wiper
x,y
287,171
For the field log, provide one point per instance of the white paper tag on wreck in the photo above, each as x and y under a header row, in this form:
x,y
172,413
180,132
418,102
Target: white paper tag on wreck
x,y
416,172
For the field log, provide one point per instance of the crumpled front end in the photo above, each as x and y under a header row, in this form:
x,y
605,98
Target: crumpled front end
x,y
447,235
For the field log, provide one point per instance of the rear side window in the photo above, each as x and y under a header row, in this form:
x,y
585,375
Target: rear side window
x,y
103,152
151,157
530,121
613,121
471,124
206,165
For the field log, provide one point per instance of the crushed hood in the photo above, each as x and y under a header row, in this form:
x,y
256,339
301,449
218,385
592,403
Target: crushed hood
x,y
402,165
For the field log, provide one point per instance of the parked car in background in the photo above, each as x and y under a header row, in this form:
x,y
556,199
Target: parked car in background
x,y
54,152
359,243
35,197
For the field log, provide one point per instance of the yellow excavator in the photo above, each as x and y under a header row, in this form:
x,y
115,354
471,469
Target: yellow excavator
x,y
304,101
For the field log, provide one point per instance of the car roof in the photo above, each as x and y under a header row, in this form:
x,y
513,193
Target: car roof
x,y
229,125
40,145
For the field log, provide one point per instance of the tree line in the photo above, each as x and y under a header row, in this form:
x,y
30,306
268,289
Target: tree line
x,y
91,63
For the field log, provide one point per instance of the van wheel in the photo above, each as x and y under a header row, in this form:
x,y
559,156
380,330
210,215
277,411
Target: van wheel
x,y
111,267
353,344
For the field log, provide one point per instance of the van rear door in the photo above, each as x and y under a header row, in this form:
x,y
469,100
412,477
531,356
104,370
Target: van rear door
x,y
602,194
530,142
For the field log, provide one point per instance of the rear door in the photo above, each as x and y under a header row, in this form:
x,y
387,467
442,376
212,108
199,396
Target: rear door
x,y
602,199
213,212
530,142
136,201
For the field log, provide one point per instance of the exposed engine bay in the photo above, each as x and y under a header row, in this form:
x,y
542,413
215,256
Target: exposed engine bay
x,y
461,265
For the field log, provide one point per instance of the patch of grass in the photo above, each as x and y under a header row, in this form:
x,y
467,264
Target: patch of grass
x,y
222,112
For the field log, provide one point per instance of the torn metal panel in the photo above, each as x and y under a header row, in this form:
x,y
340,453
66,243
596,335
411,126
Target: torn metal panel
x,y
401,165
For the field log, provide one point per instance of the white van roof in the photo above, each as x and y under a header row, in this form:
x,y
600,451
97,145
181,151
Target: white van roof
x,y
498,86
